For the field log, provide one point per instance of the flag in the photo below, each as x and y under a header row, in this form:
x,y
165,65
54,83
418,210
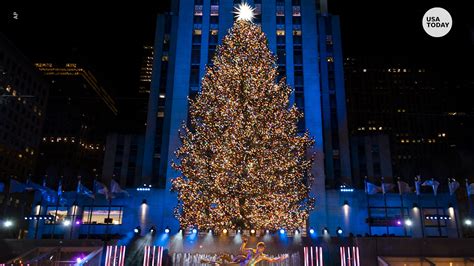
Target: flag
x,y
403,187
418,185
101,189
372,189
83,190
116,189
434,184
469,188
48,194
60,187
453,186
387,187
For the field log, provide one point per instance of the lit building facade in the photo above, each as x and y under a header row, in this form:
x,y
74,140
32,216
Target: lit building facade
x,y
186,40
146,70
78,114
23,100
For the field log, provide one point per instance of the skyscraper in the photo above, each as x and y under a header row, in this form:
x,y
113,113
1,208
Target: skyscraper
x,y
306,40
23,94
404,101
79,110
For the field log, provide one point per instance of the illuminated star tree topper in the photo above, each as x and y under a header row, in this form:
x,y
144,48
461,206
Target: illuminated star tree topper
x,y
242,162
244,12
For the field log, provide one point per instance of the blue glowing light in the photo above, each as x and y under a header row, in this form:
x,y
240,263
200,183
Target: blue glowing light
x,y
282,231
311,231
167,230
195,231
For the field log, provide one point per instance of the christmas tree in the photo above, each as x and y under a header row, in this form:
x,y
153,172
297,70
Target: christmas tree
x,y
242,162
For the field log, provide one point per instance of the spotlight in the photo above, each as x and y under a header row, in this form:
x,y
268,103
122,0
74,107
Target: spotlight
x,y
195,231
78,222
282,231
415,206
7,223
325,231
137,230
267,231
167,230
297,232
78,260
408,222
399,222
239,231
224,231
450,205
468,222
346,203
144,201
311,231
339,231
66,223
252,231
153,230
210,231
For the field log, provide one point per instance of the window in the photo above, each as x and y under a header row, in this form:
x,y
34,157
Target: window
x,y
198,10
102,215
197,36
195,55
214,10
213,37
296,20
298,56
197,19
214,20
297,37
281,54
194,77
296,11
280,11
58,212
280,20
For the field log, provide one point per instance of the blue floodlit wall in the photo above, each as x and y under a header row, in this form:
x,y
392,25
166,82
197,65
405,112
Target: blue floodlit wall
x,y
145,208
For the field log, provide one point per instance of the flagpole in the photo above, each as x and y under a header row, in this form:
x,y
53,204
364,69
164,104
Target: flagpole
x,y
469,204
417,189
368,207
401,207
435,192
7,197
60,187
385,205
92,208
454,209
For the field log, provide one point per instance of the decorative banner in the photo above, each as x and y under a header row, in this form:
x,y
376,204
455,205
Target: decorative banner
x,y
115,256
313,256
153,256
349,256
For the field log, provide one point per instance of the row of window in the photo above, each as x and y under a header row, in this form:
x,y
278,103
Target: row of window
x,y
94,215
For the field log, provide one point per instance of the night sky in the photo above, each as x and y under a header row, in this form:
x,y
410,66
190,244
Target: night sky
x,y
109,40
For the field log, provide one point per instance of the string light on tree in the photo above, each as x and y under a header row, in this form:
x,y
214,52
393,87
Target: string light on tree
x,y
242,162
244,12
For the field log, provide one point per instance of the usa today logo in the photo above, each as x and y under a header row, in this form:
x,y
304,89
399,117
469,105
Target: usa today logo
x,y
437,22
